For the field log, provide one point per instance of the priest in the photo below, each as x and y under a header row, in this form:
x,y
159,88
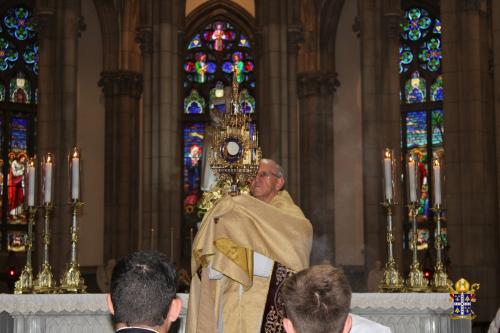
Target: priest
x,y
246,247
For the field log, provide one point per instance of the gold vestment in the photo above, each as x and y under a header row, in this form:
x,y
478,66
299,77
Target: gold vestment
x,y
229,234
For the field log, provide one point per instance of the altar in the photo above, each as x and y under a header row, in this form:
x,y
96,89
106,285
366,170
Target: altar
x,y
69,313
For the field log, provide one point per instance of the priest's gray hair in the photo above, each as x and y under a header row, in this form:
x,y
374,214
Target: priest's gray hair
x,y
280,172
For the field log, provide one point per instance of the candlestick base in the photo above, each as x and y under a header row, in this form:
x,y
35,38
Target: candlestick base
x,y
72,280
45,283
392,280
416,282
25,283
440,282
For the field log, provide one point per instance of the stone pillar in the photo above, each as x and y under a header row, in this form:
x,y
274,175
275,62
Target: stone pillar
x,y
316,94
381,114
145,38
122,91
279,33
56,132
166,110
470,134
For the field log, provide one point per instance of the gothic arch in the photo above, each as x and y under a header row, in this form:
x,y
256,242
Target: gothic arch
x,y
225,9
109,23
329,20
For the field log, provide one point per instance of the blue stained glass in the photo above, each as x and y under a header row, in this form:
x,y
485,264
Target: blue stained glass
x,y
416,129
247,102
19,134
415,89
30,56
8,55
18,23
430,55
405,58
195,42
437,27
227,67
416,24
437,89
243,41
194,103
437,122
193,149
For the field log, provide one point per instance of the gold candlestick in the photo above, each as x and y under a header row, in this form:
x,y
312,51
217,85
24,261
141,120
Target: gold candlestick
x,y
25,283
440,281
72,280
45,283
416,281
392,280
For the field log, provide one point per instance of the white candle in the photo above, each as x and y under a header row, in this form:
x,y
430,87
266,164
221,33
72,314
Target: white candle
x,y
47,195
75,178
388,177
436,169
31,185
412,179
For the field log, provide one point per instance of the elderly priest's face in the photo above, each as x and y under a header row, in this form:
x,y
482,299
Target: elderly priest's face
x,y
267,183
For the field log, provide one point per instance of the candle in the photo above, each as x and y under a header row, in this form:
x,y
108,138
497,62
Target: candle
x,y
436,170
47,194
388,175
75,176
412,177
31,184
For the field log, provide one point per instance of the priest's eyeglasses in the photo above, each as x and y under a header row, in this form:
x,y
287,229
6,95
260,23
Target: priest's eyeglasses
x,y
265,174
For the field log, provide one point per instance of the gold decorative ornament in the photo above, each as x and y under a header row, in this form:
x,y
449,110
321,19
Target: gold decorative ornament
x,y
462,297
45,282
25,283
235,154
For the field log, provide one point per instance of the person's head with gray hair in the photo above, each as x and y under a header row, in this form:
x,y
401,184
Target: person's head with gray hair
x,y
269,180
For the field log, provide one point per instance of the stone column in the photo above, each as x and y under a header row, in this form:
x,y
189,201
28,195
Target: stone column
x,y
145,38
166,124
122,91
277,40
381,114
470,134
316,94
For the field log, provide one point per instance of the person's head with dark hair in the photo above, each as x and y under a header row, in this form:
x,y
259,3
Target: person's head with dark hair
x,y
317,300
142,292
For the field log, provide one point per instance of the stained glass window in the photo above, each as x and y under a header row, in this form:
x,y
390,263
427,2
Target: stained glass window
x,y
422,125
18,98
212,55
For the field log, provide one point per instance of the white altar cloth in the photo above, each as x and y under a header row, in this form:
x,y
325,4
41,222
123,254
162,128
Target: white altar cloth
x,y
69,313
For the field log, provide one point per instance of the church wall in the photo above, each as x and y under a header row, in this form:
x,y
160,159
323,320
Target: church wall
x,y
90,137
349,237
249,5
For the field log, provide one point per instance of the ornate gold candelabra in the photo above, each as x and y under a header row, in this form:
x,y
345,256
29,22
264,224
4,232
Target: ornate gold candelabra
x,y
45,282
416,281
392,280
72,280
440,281
25,283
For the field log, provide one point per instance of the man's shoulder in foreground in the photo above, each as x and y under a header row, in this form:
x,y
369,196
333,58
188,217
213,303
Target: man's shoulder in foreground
x,y
363,325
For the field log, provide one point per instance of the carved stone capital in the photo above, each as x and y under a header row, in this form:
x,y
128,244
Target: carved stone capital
x,y
393,23
295,36
43,19
144,37
121,83
317,84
